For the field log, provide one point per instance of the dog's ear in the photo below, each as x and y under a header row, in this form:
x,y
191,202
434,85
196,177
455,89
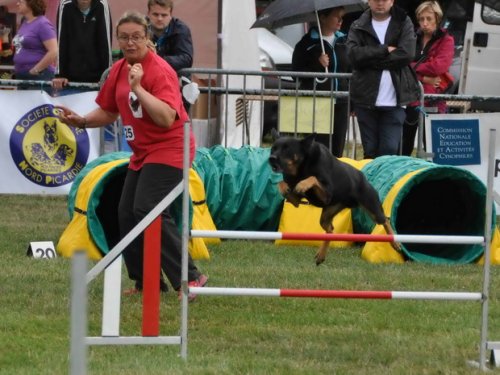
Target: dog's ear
x,y
307,141
275,134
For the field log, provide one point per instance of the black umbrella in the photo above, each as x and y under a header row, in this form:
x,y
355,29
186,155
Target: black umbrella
x,y
288,12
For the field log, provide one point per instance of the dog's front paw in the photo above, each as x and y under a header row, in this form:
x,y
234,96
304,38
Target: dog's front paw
x,y
302,187
294,199
307,184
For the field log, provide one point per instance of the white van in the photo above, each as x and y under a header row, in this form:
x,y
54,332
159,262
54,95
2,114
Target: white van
x,y
275,53
480,54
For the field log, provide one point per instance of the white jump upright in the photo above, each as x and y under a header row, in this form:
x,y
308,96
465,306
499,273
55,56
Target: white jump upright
x,y
78,348
111,299
487,256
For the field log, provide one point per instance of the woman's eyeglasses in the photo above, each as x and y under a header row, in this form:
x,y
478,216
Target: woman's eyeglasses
x,y
133,38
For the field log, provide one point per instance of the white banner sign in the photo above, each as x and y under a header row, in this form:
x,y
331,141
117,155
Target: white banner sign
x,y
38,153
462,140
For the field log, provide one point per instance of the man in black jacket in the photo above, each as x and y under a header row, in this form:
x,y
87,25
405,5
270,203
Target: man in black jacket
x,y
84,36
171,36
380,45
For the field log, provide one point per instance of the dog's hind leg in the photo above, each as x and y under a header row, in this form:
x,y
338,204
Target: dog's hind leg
x,y
389,230
326,222
370,201
379,217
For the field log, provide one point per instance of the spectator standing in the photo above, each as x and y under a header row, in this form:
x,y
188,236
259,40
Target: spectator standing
x,y
142,88
171,37
435,50
381,45
308,56
7,29
85,36
35,43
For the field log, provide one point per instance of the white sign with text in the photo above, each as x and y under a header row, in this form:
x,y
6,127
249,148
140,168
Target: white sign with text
x,y
462,140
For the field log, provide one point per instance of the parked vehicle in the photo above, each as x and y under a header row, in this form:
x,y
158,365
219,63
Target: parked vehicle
x,y
275,53
480,52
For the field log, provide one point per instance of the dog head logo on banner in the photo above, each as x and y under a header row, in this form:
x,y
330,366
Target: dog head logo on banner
x,y
46,151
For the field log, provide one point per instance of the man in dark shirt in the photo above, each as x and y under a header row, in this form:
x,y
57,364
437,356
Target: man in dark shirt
x,y
84,35
381,45
171,36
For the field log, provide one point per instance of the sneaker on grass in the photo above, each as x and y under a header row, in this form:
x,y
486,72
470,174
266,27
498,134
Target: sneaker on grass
x,y
199,282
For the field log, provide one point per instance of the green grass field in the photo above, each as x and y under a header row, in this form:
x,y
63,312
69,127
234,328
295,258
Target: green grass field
x,y
242,335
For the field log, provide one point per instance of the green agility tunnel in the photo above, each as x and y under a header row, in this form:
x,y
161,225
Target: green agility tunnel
x,y
240,187
423,198
93,206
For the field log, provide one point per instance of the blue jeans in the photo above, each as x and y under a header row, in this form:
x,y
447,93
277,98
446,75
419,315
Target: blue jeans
x,y
381,129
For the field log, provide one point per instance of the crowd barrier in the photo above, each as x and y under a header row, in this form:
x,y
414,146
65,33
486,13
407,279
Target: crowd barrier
x,y
239,107
256,101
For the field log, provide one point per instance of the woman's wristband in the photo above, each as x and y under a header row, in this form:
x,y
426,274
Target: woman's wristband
x,y
84,125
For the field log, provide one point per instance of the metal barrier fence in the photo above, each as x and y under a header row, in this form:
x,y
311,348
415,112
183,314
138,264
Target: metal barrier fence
x,y
252,102
227,97
239,107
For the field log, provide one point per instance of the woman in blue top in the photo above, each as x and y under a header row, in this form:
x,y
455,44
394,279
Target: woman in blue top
x,y
308,56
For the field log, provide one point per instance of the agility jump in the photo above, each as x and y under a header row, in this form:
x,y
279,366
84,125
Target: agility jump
x,y
403,238
339,294
78,322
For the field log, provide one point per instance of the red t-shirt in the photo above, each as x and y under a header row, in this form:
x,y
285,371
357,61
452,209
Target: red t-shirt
x,y
149,142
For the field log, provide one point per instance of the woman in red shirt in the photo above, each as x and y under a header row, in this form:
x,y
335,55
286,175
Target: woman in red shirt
x,y
144,90
435,49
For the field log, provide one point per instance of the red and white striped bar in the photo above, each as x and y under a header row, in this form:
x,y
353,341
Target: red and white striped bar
x,y
339,294
401,238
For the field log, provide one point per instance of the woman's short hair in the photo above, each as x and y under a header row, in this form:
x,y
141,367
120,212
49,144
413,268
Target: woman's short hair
x,y
432,6
326,12
38,7
134,17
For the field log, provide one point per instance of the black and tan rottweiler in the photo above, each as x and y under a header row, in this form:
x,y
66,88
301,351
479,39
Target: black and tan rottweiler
x,y
310,170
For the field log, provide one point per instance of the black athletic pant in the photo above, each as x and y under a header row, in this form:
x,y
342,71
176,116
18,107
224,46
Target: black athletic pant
x,y
142,191
410,128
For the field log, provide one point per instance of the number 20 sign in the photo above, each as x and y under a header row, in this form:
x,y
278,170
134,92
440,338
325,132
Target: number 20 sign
x,y
42,250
